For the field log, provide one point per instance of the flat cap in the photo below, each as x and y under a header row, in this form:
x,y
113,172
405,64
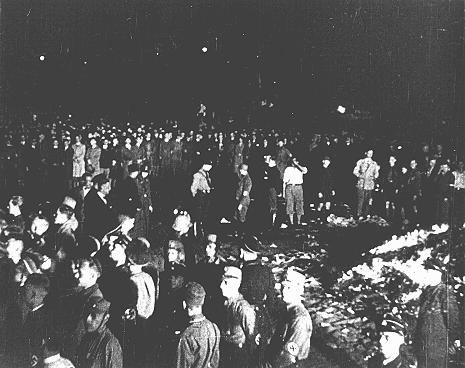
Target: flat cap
x,y
392,323
98,305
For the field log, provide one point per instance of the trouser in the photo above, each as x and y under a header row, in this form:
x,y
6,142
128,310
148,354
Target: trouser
x,y
364,200
294,199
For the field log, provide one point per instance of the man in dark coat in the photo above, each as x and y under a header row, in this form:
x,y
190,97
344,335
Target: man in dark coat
x,y
438,322
71,322
326,187
243,188
273,185
38,318
126,193
98,348
199,345
142,220
98,212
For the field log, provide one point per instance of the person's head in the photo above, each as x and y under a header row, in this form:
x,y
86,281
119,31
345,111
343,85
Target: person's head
x,y
14,247
117,253
87,180
391,337
93,142
115,141
182,223
145,171
127,141
78,138
432,163
439,148
243,170
133,170
66,142
413,164
460,165
139,252
55,143
231,281
35,289
52,346
102,184
210,247
207,166
392,160
148,136
292,286
175,252
39,225
272,161
126,223
63,214
280,142
326,162
96,313
14,204
404,170
194,297
369,153
445,167
139,140
88,271
105,144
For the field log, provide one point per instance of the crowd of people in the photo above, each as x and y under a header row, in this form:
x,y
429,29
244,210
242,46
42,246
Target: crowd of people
x,y
94,285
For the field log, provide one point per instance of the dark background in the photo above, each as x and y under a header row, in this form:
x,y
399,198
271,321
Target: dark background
x,y
399,61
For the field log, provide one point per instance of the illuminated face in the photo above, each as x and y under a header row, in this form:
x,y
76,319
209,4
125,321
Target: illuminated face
x,y
85,275
60,218
392,160
229,287
172,255
290,292
390,343
117,253
413,164
94,320
370,153
210,250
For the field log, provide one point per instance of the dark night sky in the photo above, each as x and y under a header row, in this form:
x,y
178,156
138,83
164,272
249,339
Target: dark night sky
x,y
393,58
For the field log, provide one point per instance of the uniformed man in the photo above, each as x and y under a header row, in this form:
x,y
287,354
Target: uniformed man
x,y
200,189
99,348
243,188
199,345
237,333
290,344
391,339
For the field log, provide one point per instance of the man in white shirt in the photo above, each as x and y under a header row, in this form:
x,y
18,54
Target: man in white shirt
x,y
293,189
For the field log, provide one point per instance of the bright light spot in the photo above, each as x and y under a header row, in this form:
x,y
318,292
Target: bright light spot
x,y
399,147
85,62
42,58
341,109
204,49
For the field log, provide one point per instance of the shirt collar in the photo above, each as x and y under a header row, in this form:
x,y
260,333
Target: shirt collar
x,y
197,318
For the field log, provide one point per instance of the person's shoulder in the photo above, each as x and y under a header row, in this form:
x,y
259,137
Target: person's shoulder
x,y
298,311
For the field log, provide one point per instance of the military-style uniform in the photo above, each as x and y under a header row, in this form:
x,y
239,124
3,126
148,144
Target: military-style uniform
x,y
377,362
244,187
238,333
199,344
291,342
